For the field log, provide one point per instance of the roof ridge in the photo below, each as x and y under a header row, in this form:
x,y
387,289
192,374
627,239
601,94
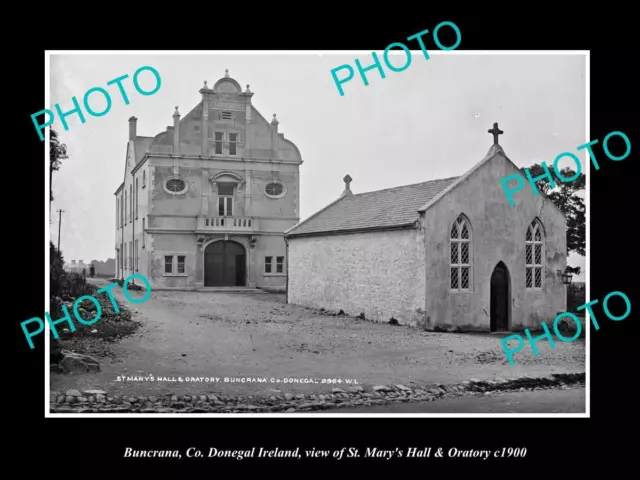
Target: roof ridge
x,y
403,186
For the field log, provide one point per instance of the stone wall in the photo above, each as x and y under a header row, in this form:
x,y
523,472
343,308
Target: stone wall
x,y
379,274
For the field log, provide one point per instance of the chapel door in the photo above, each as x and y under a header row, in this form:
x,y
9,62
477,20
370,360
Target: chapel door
x,y
500,299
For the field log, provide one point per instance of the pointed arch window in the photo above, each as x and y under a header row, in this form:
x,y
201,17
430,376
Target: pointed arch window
x,y
534,256
461,255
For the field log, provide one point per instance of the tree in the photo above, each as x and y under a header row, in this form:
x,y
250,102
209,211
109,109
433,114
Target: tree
x,y
565,197
57,153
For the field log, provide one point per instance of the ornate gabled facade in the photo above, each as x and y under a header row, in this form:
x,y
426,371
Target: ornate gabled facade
x,y
205,203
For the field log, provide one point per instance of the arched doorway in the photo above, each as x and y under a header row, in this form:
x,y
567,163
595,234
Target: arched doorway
x,y
225,265
500,298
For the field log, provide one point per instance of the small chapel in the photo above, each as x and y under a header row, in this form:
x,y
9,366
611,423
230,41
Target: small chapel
x,y
448,254
205,203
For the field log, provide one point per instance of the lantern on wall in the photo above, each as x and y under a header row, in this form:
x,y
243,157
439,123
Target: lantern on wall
x,y
566,276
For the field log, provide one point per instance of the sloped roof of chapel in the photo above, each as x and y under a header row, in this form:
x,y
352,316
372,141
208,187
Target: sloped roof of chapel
x,y
380,209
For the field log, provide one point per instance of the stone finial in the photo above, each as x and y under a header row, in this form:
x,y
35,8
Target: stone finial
x,y
176,113
205,84
247,90
226,73
275,120
347,184
495,131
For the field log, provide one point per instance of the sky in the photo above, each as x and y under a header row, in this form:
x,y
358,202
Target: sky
x,y
429,121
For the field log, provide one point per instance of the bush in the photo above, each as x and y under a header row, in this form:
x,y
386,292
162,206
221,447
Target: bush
x,y
64,285
575,298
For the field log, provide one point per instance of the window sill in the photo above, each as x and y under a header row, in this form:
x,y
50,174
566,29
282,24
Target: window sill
x,y
275,274
535,290
460,292
175,275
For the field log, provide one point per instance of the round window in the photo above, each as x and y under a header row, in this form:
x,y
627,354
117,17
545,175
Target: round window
x,y
175,185
274,189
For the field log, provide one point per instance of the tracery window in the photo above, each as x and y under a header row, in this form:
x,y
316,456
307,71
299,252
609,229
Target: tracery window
x,y
534,255
461,255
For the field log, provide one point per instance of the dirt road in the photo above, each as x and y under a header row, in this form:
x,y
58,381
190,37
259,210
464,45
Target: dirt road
x,y
258,336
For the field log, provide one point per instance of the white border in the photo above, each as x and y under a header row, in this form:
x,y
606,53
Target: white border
x,y
48,414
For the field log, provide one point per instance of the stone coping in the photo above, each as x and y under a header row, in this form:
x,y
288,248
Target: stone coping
x,y
99,401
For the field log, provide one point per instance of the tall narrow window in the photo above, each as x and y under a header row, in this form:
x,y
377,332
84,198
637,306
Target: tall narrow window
x,y
279,264
225,200
181,263
168,264
131,257
125,206
144,178
218,143
117,212
143,234
534,255
124,257
461,255
131,203
136,257
267,264
137,200
233,143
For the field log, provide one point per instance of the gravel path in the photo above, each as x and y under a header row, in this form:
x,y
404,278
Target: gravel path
x,y
203,335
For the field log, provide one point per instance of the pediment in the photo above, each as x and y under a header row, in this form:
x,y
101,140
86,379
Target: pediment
x,y
226,177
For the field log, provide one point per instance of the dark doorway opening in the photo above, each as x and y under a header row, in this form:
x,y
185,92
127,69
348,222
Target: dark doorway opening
x,y
500,298
224,265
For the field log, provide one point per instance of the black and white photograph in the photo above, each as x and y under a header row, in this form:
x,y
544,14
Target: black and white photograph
x,y
318,233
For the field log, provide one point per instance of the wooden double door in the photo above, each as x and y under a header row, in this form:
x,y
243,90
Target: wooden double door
x,y
225,265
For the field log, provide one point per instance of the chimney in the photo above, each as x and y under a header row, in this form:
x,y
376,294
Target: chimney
x,y
347,185
176,131
132,128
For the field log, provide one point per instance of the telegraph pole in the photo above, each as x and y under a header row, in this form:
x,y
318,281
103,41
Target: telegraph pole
x,y
59,226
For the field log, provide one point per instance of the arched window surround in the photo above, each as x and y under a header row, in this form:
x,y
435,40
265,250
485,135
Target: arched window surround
x,y
461,255
534,256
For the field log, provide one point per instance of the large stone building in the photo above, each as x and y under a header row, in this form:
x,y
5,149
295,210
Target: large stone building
x,y
450,253
205,203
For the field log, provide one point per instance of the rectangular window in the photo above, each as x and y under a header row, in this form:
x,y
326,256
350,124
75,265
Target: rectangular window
x,y
218,143
226,116
225,206
225,200
181,264
267,264
137,192
143,234
130,203
233,142
279,264
168,264
125,206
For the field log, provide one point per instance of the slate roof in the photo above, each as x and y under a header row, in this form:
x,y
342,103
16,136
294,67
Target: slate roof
x,y
392,207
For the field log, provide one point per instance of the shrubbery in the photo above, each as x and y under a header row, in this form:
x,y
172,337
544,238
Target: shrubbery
x,y
64,285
